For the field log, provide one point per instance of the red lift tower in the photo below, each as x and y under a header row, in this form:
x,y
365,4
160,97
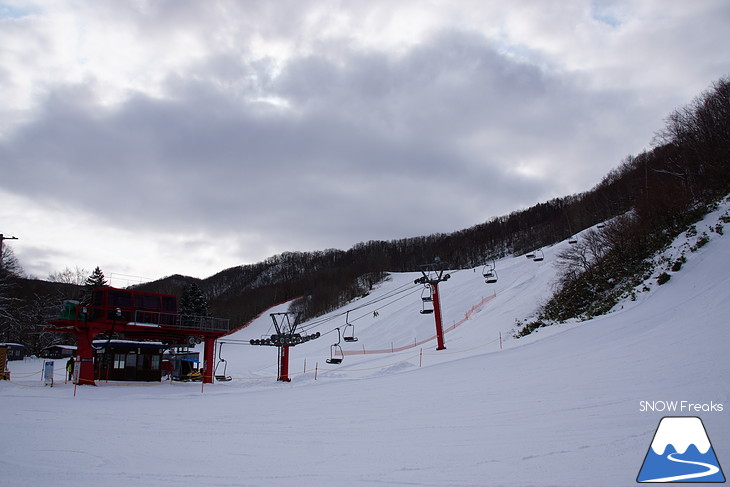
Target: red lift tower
x,y
433,274
286,336
135,315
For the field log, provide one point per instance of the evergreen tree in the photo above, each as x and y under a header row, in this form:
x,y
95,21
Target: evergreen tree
x,y
96,279
194,302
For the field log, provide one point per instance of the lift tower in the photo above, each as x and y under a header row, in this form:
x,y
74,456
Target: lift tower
x,y
286,336
433,274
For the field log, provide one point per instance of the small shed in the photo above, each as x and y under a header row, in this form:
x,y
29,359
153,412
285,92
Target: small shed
x,y
15,351
58,351
127,360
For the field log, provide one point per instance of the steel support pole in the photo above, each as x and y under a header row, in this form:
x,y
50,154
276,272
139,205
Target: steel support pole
x,y
209,352
284,364
437,316
85,356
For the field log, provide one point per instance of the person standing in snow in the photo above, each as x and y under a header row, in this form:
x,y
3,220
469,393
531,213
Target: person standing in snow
x,y
70,368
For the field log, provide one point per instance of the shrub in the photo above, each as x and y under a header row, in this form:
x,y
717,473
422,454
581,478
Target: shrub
x,y
529,328
701,242
663,278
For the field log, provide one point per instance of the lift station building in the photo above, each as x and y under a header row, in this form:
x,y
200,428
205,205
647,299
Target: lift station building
x,y
137,327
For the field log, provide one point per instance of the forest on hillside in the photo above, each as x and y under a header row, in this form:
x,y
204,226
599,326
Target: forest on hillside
x,y
647,199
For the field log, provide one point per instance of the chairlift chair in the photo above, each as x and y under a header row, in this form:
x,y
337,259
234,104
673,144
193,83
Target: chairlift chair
x,y
427,300
336,349
488,270
348,333
490,273
426,295
572,240
221,377
349,336
530,255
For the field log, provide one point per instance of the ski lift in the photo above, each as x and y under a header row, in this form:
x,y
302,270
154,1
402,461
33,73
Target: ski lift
x,y
348,334
572,240
539,255
427,300
221,377
488,270
426,293
336,349
490,273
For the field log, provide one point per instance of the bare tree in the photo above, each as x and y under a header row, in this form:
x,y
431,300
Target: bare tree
x,y
76,276
9,263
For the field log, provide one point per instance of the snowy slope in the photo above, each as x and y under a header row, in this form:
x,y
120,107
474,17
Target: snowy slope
x,y
559,407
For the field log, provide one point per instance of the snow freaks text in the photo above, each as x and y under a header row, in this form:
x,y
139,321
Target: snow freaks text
x,y
680,407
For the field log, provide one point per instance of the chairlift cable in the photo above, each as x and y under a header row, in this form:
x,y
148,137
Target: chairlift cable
x,y
391,294
369,303
315,324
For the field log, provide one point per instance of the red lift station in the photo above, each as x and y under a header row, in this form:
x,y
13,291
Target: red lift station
x,y
135,315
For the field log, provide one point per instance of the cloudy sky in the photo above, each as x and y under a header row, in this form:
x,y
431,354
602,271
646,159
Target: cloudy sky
x,y
178,136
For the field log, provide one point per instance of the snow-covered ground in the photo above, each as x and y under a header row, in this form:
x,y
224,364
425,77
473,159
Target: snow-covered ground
x,y
563,406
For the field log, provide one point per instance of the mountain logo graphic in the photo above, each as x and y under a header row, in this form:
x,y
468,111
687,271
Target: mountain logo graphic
x,y
680,452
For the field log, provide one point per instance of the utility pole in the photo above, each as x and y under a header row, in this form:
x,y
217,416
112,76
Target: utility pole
x,y
433,274
2,238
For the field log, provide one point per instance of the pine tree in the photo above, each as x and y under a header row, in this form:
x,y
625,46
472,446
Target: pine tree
x,y
96,279
194,302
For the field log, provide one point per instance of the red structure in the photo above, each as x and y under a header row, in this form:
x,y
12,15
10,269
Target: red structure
x,y
135,315
286,336
437,317
433,274
284,364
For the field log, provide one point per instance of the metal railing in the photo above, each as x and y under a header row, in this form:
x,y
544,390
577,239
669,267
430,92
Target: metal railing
x,y
82,313
185,322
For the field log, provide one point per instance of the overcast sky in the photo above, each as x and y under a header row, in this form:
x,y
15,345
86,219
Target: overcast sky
x,y
159,137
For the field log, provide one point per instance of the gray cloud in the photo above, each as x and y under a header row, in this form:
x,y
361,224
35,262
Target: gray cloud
x,y
327,146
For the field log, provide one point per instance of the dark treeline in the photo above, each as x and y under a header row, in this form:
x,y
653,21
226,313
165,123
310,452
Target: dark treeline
x,y
654,193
